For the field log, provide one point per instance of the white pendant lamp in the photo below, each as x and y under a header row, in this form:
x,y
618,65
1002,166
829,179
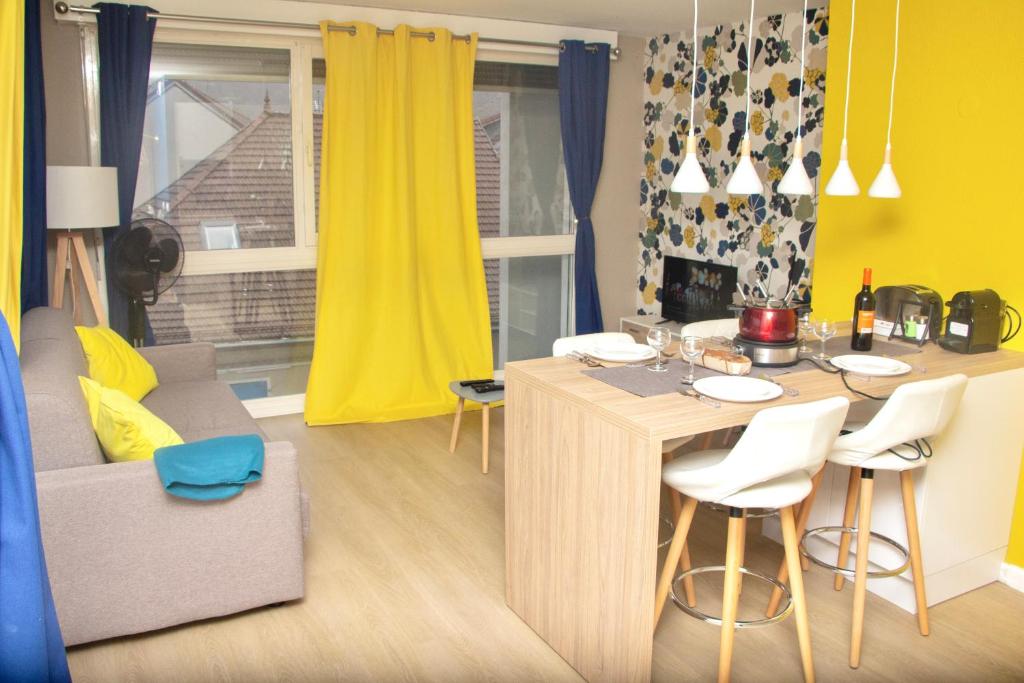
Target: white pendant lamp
x,y
796,180
885,185
842,183
744,178
691,178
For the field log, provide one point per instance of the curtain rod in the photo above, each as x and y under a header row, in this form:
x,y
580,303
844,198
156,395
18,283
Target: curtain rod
x,y
64,8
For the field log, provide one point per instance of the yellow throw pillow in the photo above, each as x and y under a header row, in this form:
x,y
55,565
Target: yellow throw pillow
x,y
115,364
126,430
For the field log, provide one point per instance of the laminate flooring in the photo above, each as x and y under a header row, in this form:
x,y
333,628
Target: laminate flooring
x,y
405,582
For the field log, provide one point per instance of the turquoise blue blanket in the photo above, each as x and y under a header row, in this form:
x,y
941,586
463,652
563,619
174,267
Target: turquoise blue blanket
x,y
213,469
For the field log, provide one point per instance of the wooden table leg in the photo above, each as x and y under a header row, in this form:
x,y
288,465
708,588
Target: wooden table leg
x,y
455,425
486,436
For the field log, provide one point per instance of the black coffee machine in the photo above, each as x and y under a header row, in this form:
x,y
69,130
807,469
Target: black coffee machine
x,y
976,321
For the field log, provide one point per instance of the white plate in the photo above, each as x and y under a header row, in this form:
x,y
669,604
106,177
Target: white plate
x,y
874,366
738,389
623,353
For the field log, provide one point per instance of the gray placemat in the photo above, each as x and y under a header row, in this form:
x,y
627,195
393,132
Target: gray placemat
x,y
642,382
840,346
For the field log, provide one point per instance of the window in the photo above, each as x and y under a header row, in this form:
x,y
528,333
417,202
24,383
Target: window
x,y
231,159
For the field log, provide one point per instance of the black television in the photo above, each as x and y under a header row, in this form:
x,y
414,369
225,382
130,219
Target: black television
x,y
692,291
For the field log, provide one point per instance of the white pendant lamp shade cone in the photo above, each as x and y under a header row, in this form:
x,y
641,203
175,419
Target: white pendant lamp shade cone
x,y
796,180
744,179
691,178
886,185
842,183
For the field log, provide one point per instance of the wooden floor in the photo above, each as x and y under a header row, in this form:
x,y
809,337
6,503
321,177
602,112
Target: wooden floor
x,y
405,581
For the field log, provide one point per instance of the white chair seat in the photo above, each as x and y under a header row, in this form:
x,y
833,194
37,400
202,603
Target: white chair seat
x,y
887,461
777,493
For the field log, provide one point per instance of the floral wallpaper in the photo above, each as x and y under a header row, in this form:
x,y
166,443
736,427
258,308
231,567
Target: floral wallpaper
x,y
768,236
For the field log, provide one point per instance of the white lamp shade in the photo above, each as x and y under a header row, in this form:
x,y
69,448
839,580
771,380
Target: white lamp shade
x,y
691,178
796,180
80,197
885,185
842,183
744,179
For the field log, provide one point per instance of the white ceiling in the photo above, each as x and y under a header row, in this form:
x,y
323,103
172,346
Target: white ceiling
x,y
637,18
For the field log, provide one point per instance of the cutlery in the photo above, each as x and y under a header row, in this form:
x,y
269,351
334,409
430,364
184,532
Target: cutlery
x,y
692,393
583,358
788,391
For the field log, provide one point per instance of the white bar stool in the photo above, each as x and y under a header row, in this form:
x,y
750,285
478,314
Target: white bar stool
x,y
767,468
891,441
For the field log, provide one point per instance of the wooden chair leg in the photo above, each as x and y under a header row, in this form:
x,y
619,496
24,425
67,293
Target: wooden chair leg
x,y
801,526
486,437
456,424
796,586
860,583
914,541
668,572
743,554
730,593
849,515
676,500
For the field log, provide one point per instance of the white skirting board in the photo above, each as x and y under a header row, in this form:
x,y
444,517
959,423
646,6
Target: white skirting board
x,y
1012,576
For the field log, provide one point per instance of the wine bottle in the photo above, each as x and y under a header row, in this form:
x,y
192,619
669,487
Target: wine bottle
x,y
863,316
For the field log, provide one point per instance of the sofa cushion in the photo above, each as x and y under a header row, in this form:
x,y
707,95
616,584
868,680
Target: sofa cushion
x,y
201,409
126,429
51,362
115,364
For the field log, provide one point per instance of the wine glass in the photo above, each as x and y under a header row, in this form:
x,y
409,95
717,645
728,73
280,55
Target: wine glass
x,y
659,338
824,329
806,327
692,348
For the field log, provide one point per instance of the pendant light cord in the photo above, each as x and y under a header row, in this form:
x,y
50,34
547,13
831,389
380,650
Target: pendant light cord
x,y
892,88
750,64
693,84
849,67
800,101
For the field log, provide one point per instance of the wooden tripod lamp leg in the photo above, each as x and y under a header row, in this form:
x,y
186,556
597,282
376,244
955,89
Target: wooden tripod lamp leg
x,y
60,269
87,276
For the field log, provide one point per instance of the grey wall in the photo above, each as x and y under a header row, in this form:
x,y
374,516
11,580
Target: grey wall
x,y
616,210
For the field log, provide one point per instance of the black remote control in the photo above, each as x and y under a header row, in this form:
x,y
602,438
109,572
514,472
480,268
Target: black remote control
x,y
472,382
485,388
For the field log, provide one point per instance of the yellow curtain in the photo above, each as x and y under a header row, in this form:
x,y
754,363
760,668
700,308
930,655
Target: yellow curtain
x,y
401,303
12,117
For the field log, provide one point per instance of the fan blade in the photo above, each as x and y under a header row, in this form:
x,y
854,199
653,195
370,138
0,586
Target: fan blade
x,y
135,244
169,253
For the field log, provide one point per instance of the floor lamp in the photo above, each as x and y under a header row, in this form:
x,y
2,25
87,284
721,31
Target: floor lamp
x,y
78,198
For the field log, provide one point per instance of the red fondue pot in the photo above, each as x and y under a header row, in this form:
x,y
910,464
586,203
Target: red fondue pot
x,y
768,325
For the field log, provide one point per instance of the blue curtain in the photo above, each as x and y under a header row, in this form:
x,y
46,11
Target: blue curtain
x,y
31,646
33,260
126,44
583,99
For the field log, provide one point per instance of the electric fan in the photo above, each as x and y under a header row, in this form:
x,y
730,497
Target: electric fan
x,y
146,261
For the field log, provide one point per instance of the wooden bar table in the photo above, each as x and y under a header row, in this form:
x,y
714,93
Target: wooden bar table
x,y
582,488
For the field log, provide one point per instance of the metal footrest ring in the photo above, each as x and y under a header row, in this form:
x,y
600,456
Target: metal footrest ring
x,y
677,590
851,573
749,513
665,523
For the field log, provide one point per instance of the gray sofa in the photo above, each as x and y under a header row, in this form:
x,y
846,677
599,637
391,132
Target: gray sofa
x,y
124,556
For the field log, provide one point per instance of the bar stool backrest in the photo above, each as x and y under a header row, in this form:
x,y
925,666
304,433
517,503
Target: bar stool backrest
x,y
723,327
585,342
916,410
780,441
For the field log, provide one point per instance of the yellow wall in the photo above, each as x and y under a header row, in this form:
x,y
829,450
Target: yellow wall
x,y
956,142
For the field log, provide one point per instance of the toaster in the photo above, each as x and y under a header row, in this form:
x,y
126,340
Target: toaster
x,y
894,303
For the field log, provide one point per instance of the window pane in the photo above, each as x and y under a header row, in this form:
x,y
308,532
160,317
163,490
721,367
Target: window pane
x,y
319,92
217,146
529,300
261,323
520,173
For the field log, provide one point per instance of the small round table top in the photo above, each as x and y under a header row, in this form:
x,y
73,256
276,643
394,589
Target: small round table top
x,y
470,394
